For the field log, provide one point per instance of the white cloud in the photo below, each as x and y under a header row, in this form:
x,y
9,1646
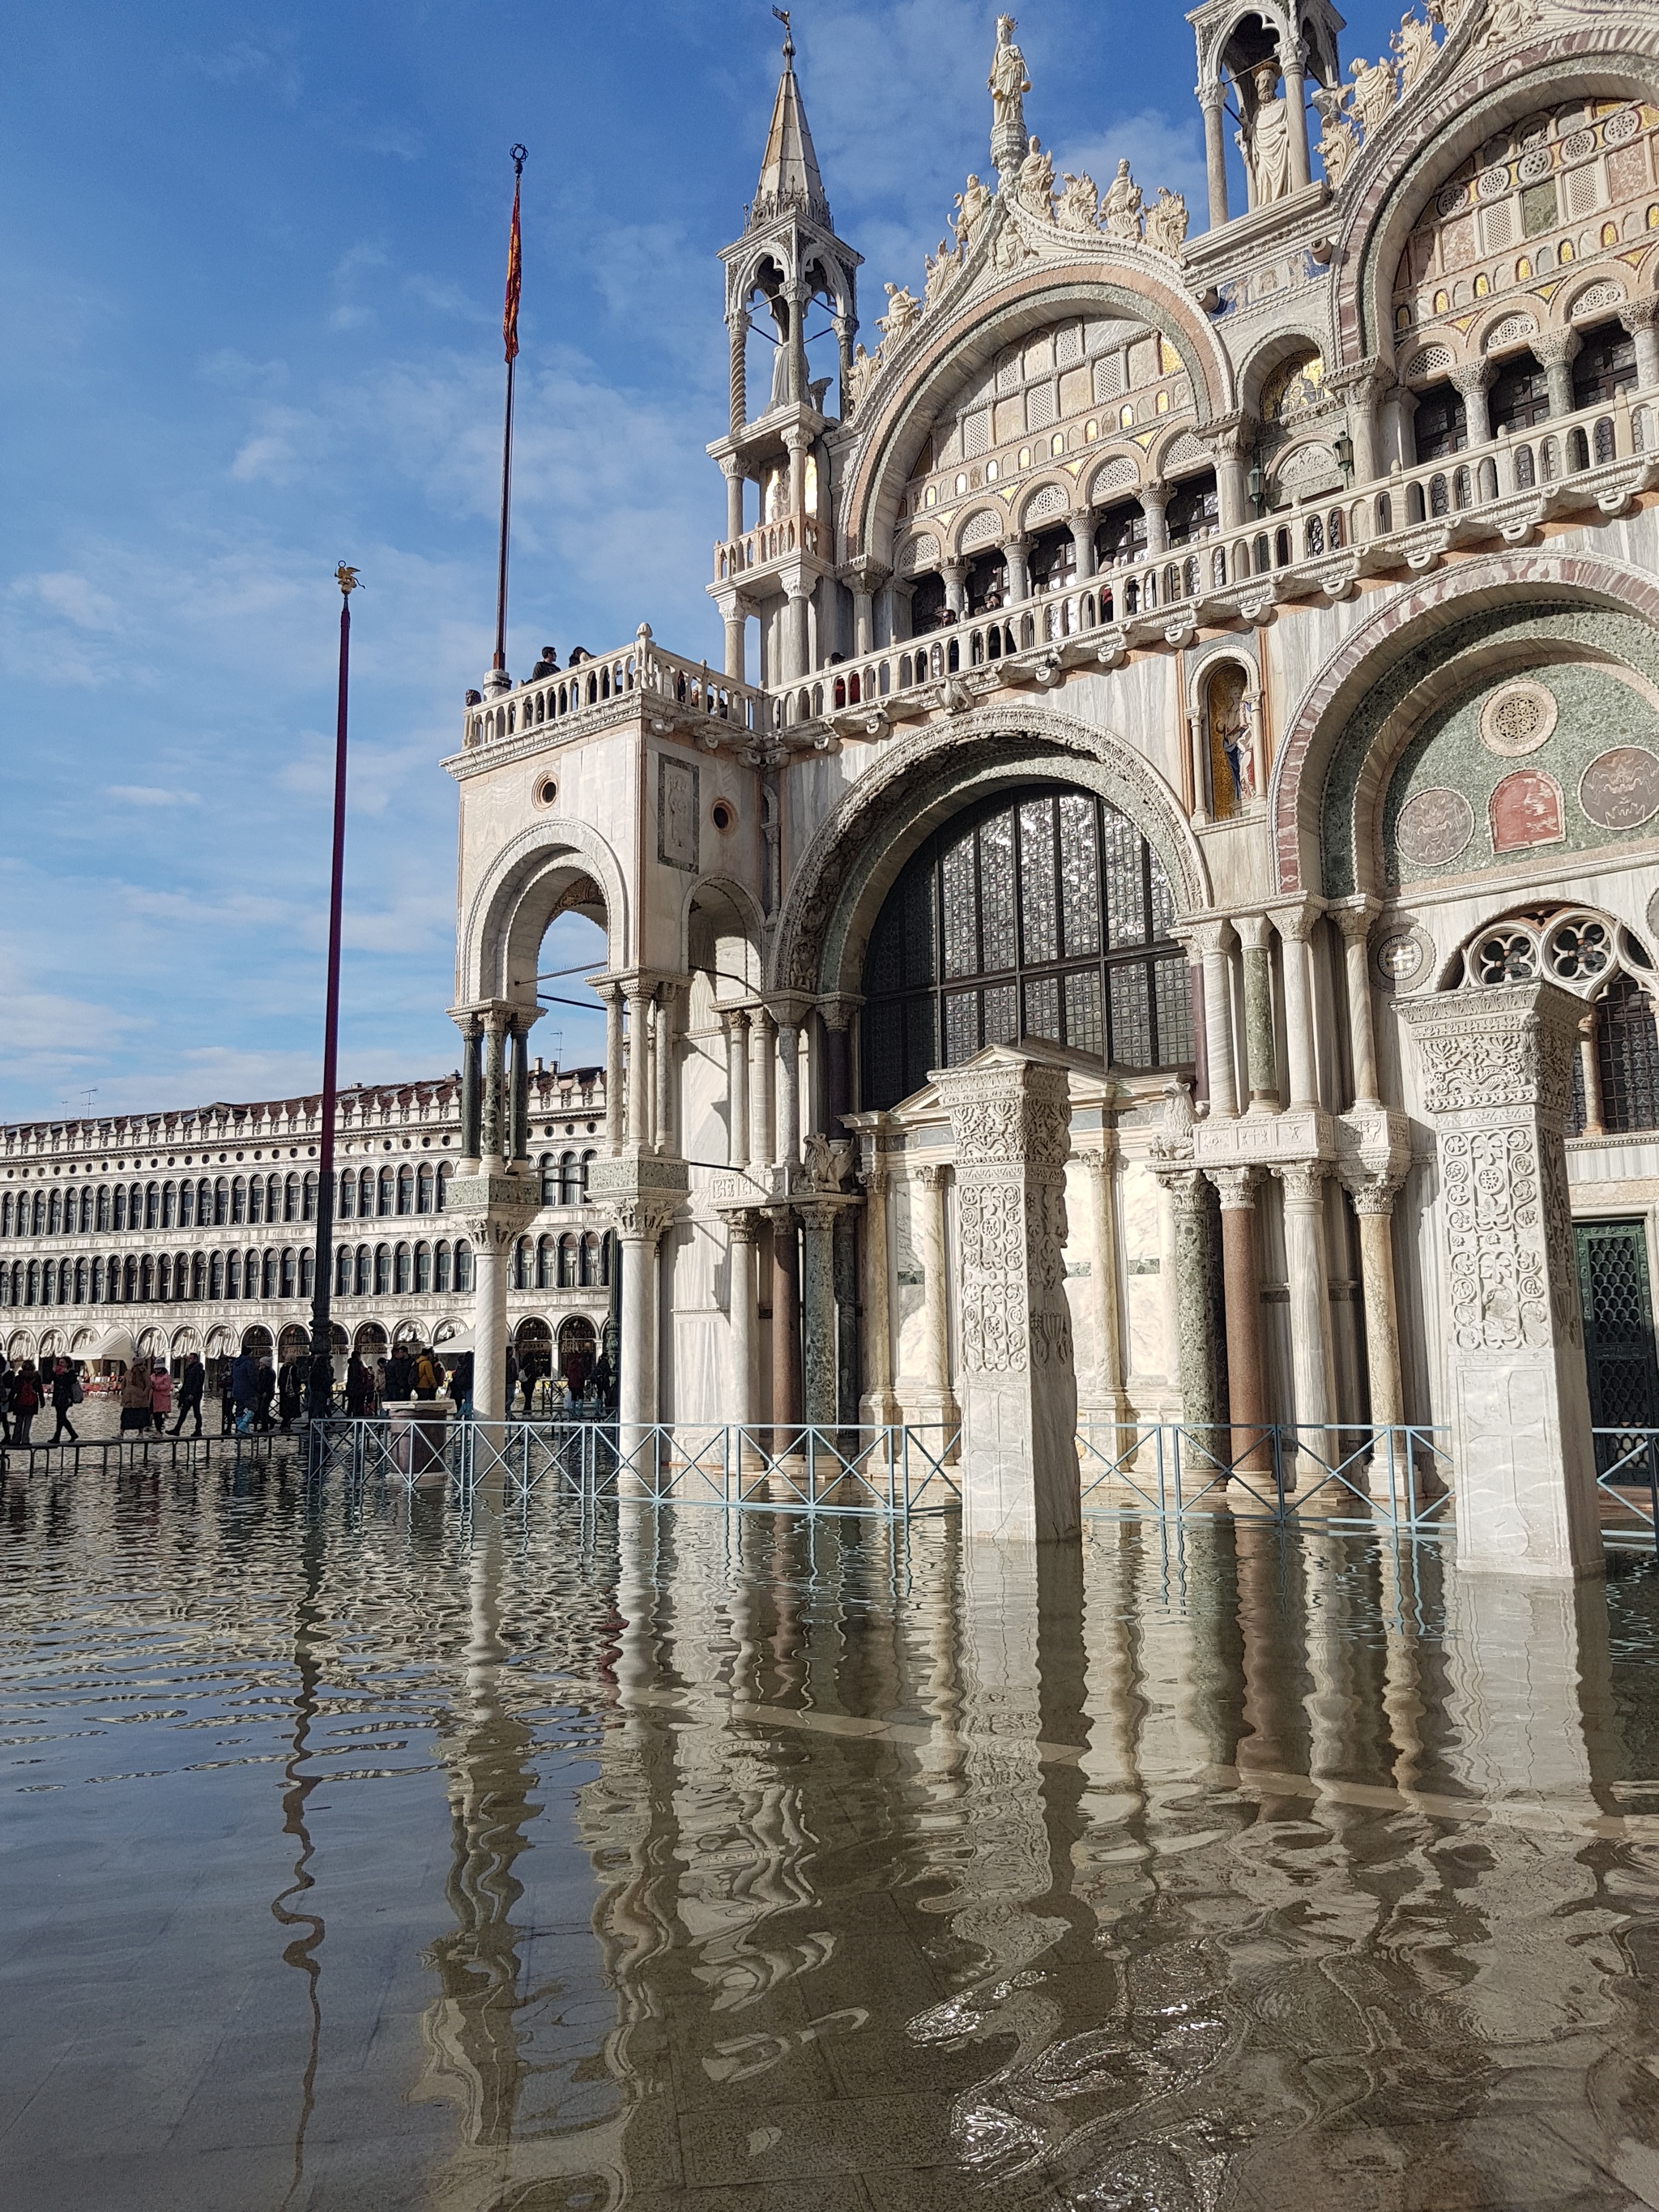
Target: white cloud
x,y
238,374
150,794
351,313
66,593
286,441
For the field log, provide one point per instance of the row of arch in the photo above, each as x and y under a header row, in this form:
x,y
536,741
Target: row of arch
x,y
562,1263
275,1272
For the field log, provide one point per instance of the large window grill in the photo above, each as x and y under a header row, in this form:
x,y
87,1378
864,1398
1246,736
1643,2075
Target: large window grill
x,y
1048,917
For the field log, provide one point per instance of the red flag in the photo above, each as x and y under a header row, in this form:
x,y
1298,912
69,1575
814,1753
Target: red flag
x,y
514,278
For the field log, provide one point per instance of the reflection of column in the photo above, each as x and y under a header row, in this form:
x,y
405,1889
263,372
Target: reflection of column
x,y
1215,154
736,1089
879,1404
1102,1168
1373,1206
1242,1291
639,1060
1261,1054
1353,918
1294,924
1496,1075
786,1326
1011,1126
1311,1303
611,994
935,1308
818,1311
742,1229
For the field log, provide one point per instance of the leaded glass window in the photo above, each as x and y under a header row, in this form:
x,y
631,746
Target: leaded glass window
x,y
1046,916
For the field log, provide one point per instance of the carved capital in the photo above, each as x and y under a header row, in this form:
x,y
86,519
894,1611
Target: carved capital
x,y
1472,376
931,1177
1354,917
1640,314
1372,1193
1295,923
1557,348
1303,1181
743,1224
1236,1188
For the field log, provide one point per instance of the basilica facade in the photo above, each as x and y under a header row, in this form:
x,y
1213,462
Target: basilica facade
x,y
1156,918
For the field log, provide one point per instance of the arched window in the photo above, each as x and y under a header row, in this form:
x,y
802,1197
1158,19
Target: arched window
x,y
401,1279
549,1175
291,1197
546,1277
365,1191
423,1188
567,1263
146,1278
1627,1054
593,1268
423,1266
586,1160
569,1185
1046,916
170,1206
387,1192
239,1200
233,1274
382,1271
187,1206
365,1261
103,1206
216,1276
441,1268
153,1205
343,1271
406,1189
256,1200
347,1206
444,1173
307,1271
308,1195
463,1264
32,1284
55,1214
164,1277
80,1282
198,1272
290,1274
271,1277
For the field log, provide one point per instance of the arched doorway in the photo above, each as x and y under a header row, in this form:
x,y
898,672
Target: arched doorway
x,y
578,1347
1043,912
293,1343
372,1341
532,1349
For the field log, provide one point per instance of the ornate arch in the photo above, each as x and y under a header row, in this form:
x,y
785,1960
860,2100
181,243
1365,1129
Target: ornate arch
x,y
854,859
521,884
1392,654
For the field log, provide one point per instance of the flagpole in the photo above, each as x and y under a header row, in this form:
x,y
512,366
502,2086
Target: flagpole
x,y
510,343
321,1392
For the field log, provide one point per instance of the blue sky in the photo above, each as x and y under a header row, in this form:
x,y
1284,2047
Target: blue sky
x,y
253,266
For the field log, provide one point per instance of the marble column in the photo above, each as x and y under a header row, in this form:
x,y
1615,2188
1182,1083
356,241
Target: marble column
x,y
1303,1182
1557,350
638,1230
1589,1063
737,1088
1260,1053
1081,523
638,991
1010,1121
492,1208
1640,319
1353,918
939,1405
1103,1167
956,579
864,623
820,1379
1014,552
1293,61
785,1329
471,1095
798,651
1495,1071
611,994
788,1138
742,1232
517,1101
1210,939
1231,485
762,1089
732,470
1364,392
492,1125
1154,502
878,1404
1295,925
1474,380
667,1072
735,615
1200,1407
1215,152
1373,1204
1241,1273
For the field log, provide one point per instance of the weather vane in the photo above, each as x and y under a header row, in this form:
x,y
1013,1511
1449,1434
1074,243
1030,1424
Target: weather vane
x,y
782,15
347,579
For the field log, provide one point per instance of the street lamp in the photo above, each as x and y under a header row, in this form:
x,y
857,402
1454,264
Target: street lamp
x,y
320,1393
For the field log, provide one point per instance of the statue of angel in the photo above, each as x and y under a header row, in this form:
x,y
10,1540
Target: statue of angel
x,y
1374,92
1078,205
973,205
1120,211
1166,221
861,375
903,313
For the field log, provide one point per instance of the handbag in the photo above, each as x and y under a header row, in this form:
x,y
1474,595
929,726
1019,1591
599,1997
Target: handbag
x,y
77,1396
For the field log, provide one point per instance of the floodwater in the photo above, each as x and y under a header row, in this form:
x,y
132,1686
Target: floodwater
x,y
371,1853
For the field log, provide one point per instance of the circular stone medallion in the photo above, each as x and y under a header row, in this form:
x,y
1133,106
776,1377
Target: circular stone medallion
x,y
1399,958
1518,720
1620,790
1433,827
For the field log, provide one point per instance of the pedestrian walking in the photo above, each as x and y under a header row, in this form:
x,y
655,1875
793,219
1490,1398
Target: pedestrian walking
x,y
265,1389
426,1375
461,1385
291,1395
399,1371
26,1404
360,1389
160,1394
242,1392
191,1383
65,1394
135,1411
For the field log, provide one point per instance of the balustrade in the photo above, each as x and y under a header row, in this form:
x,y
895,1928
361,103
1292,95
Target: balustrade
x,y
591,691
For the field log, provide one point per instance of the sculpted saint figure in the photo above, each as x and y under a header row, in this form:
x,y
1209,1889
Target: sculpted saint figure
x,y
973,205
1264,141
1508,20
1414,46
1374,94
903,312
1120,210
1036,180
1008,81
1166,221
861,375
1078,206
942,269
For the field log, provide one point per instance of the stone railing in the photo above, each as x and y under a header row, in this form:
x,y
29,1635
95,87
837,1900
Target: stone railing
x,y
767,542
600,689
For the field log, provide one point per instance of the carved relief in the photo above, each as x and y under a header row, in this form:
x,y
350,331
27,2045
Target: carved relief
x,y
1497,1274
991,1231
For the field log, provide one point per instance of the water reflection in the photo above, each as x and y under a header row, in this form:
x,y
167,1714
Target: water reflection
x,y
658,1859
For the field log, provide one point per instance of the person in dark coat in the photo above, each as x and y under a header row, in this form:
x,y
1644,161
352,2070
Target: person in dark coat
x,y
265,1389
25,1404
360,1389
289,1395
461,1383
191,1383
64,1386
242,1391
398,1374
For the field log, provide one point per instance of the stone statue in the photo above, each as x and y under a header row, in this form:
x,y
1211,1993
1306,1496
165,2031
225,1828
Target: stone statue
x,y
826,1163
1166,221
1264,141
1174,1140
943,268
861,375
1374,92
973,205
1008,82
1414,46
1120,212
1508,19
1036,187
903,313
1078,205
1337,150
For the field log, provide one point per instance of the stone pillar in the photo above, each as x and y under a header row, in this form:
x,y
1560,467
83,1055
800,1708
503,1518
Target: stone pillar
x,y
1210,939
737,1088
1305,1268
1260,1053
1294,923
1241,1274
798,651
742,1230
878,1406
1231,488
1200,1406
732,470
1292,60
846,1314
788,1142
1014,552
1589,1065
1373,1199
638,990
1473,380
1353,918
1364,392
492,1209
820,1390
518,1119
1641,319
611,994
739,378
1215,152
762,1089
935,1303
1081,523
836,1015
785,1329
1010,1119
864,623
471,1098
639,1228
1108,1314
1557,350
667,1072
492,1123
736,616
1154,499
956,578
1495,1069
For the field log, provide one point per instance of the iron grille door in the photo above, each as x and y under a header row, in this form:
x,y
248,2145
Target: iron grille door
x,y
1617,1301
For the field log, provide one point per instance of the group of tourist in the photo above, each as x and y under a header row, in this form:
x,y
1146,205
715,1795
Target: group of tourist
x,y
26,1390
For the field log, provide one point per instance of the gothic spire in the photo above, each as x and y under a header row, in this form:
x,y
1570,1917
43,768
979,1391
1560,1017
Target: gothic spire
x,y
789,181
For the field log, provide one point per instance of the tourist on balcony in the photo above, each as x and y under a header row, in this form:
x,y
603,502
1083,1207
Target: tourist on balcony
x,y
547,665
25,1404
160,1394
191,1384
64,1392
135,1396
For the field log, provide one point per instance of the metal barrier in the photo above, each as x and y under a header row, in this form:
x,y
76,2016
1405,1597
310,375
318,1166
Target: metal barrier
x,y
151,1450
1391,1479
1627,1476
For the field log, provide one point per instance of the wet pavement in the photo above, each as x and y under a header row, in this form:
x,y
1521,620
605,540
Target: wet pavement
x,y
370,1853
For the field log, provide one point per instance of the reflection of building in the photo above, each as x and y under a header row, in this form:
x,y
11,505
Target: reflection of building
x,y
196,1229
1166,658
